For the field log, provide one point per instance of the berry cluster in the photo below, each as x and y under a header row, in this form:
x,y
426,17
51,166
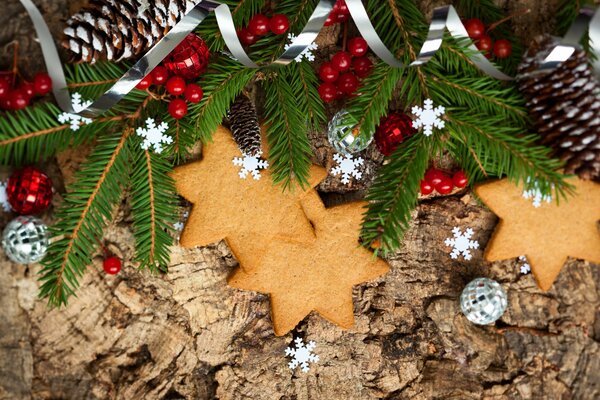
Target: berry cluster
x,y
18,97
339,14
477,32
437,180
259,25
341,75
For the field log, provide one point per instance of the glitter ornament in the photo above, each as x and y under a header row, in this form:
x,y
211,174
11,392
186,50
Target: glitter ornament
x,y
392,131
29,191
25,240
189,59
343,134
483,301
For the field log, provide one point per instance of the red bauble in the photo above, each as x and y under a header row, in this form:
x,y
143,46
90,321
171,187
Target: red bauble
x,y
341,61
327,92
392,131
445,186
362,66
259,25
358,47
279,24
348,83
193,93
189,59
475,28
502,48
42,84
328,73
460,179
178,108
29,191
176,85
112,265
434,176
160,75
426,188
145,83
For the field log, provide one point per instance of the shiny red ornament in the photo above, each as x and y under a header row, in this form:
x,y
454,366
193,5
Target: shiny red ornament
x,y
189,59
392,131
29,191
112,265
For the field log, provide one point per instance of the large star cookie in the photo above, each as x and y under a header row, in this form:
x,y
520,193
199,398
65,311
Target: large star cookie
x,y
548,234
247,213
316,275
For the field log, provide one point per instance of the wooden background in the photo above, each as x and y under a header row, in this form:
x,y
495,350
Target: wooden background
x,y
186,335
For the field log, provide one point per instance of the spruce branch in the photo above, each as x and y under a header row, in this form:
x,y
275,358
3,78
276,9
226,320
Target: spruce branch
x,y
308,101
82,217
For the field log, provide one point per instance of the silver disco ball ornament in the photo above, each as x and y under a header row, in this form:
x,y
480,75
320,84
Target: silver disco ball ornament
x,y
342,133
25,240
483,301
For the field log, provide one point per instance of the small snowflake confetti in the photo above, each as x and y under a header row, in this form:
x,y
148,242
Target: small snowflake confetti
x,y
428,117
461,243
307,53
4,198
154,136
302,355
525,267
347,166
74,119
250,164
535,194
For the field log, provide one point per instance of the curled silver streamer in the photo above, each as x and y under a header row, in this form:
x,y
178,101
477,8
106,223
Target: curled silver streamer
x,y
444,18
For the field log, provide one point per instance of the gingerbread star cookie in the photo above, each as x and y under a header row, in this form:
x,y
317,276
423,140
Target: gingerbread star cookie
x,y
246,212
301,277
547,234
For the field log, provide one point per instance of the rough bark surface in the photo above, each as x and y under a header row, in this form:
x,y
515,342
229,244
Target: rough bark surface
x,y
187,335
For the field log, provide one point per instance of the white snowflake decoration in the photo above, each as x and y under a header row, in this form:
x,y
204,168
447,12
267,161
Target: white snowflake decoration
x,y
74,119
428,117
307,53
250,165
179,225
154,136
461,243
302,355
347,167
536,196
4,198
525,267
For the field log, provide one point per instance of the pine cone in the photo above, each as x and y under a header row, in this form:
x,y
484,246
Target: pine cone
x,y
116,30
244,125
565,106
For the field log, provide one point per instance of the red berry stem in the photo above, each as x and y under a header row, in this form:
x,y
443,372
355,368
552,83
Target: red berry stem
x,y
507,18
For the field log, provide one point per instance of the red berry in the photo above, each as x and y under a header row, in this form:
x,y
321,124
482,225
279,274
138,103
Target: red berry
x,y
259,25
328,73
341,61
6,103
445,186
176,85
348,83
193,93
340,18
327,92
4,88
42,84
362,66
145,83
29,89
160,75
426,188
502,48
279,24
178,108
341,7
246,37
475,28
112,265
331,19
460,179
434,176
485,44
18,99
358,47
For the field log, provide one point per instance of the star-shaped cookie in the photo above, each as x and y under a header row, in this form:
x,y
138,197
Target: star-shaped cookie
x,y
318,275
247,213
546,234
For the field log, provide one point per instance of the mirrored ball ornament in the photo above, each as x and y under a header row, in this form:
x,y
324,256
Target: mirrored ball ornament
x,y
343,134
25,240
483,301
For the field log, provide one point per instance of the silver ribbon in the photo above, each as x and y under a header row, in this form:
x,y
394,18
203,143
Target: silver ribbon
x,y
444,18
